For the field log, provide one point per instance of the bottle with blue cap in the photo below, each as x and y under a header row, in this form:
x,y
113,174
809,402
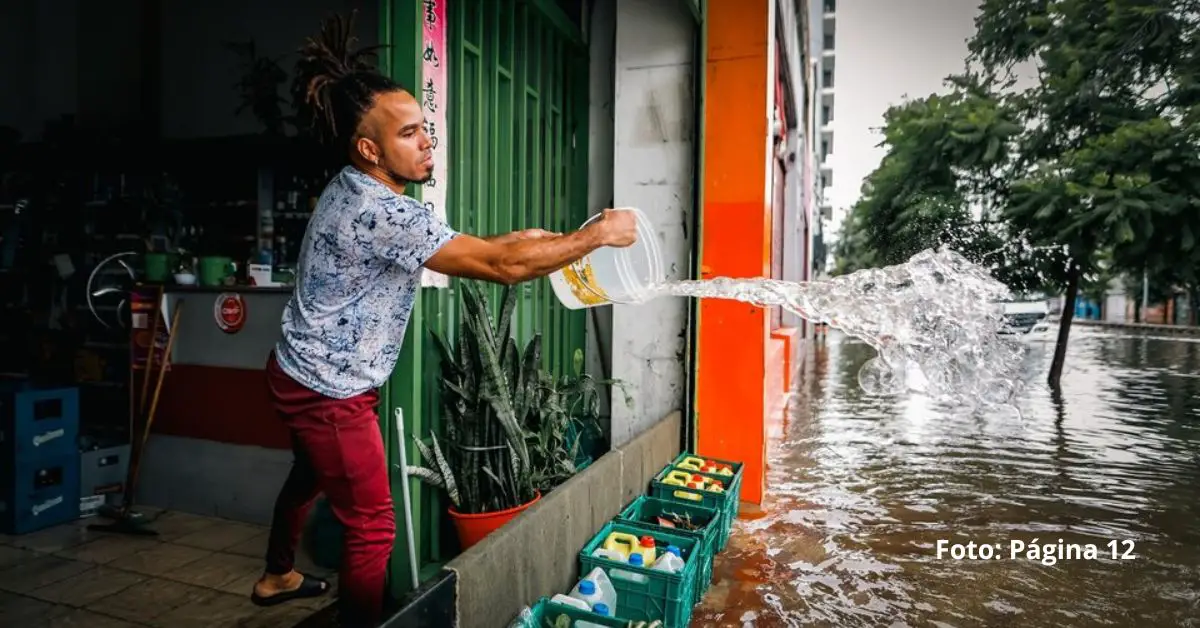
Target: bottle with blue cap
x,y
600,608
596,588
671,560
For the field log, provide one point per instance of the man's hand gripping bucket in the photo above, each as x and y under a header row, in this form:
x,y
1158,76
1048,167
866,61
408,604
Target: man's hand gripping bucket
x,y
626,276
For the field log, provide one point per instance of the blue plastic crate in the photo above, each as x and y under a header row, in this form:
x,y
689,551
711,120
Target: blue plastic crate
x,y
41,495
37,424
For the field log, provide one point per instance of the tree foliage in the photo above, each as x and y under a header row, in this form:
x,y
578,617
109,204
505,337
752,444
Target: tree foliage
x,y
1094,169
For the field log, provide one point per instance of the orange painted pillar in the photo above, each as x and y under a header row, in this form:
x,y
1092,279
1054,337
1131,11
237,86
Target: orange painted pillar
x,y
731,401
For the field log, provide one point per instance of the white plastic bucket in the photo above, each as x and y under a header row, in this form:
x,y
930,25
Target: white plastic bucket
x,y
613,275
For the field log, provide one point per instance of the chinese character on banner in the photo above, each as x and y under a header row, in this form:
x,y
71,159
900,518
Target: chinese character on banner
x,y
435,81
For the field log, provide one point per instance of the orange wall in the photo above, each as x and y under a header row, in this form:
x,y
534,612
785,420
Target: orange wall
x,y
733,358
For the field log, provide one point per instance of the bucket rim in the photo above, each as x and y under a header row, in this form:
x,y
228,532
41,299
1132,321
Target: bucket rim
x,y
623,267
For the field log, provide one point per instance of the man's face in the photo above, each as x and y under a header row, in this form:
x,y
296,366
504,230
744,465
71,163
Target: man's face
x,y
396,126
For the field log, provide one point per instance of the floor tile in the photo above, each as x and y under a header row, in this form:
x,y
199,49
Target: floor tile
x,y
217,610
107,548
172,524
282,616
39,572
224,572
54,539
255,546
221,536
17,610
147,600
81,618
88,587
159,559
13,555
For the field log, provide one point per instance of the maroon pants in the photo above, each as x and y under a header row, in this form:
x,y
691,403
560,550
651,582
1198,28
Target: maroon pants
x,y
339,451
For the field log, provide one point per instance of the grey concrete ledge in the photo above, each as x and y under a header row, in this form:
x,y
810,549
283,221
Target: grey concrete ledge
x,y
537,553
1173,330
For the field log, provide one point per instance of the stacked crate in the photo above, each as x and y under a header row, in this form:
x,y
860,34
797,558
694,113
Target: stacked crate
x,y
658,598
39,457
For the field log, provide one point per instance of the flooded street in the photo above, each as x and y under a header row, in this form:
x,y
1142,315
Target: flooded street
x,y
861,490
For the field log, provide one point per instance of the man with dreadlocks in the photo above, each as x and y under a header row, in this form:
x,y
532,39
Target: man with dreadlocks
x,y
359,269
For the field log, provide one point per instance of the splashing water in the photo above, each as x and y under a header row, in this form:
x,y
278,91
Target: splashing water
x,y
935,321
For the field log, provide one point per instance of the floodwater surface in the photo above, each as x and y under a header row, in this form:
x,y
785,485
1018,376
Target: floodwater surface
x,y
862,491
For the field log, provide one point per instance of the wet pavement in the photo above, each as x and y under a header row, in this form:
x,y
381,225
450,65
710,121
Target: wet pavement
x,y
861,491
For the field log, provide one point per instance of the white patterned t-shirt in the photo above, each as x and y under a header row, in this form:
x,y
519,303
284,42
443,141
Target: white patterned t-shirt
x,y
357,277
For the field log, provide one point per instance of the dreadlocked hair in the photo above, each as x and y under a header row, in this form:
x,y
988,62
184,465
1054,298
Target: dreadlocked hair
x,y
336,84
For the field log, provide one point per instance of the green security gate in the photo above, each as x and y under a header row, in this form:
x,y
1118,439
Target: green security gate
x,y
518,118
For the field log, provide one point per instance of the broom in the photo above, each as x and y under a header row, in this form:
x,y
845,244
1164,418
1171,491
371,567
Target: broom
x,y
125,520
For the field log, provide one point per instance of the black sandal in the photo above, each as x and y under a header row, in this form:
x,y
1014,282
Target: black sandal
x,y
310,586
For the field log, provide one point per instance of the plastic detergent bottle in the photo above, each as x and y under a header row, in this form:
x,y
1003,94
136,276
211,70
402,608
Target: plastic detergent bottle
x,y
724,470
601,609
635,560
596,588
670,561
567,600
622,543
646,549
617,555
677,478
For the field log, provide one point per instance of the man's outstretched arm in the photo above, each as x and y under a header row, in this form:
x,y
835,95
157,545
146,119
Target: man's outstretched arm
x,y
511,258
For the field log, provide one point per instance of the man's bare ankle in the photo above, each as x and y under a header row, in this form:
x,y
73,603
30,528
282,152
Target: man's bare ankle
x,y
284,581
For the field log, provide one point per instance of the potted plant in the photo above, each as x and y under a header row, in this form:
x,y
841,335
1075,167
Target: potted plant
x,y
506,421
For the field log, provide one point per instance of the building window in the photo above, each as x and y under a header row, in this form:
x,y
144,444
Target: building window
x,y
826,114
830,6
827,78
825,148
828,41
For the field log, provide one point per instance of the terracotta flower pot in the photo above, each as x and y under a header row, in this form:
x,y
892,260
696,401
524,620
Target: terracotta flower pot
x,y
474,527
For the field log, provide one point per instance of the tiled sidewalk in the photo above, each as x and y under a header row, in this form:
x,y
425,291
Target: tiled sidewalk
x,y
198,571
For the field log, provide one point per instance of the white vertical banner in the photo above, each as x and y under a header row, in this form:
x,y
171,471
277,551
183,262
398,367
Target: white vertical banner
x,y
434,85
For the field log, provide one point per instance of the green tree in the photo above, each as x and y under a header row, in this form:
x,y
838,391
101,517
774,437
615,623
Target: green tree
x,y
1102,165
941,183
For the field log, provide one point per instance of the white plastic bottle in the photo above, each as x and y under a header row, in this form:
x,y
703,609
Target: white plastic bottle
x,y
670,561
635,560
613,555
600,609
596,588
567,600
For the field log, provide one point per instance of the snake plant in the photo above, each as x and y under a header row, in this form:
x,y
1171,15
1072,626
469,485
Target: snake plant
x,y
510,428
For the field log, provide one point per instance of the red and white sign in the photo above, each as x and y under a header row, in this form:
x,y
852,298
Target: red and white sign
x,y
229,310
435,81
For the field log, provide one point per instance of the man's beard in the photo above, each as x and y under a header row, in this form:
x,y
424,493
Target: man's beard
x,y
402,180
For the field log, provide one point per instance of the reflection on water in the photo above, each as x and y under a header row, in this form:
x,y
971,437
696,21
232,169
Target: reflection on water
x,y
861,490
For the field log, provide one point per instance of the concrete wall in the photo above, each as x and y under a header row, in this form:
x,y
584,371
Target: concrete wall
x,y
85,59
653,169
537,553
602,34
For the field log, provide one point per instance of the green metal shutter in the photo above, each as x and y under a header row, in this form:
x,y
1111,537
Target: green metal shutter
x,y
518,115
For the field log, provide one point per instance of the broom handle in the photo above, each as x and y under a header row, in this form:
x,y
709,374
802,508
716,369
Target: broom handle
x,y
141,407
135,465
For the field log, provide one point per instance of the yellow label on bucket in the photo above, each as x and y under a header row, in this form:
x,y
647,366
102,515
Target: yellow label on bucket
x,y
582,282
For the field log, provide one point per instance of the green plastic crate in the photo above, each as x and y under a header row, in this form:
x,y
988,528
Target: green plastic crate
x,y
546,613
645,509
644,594
726,502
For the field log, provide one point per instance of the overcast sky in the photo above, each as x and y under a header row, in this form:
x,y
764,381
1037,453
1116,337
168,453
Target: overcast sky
x,y
886,50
